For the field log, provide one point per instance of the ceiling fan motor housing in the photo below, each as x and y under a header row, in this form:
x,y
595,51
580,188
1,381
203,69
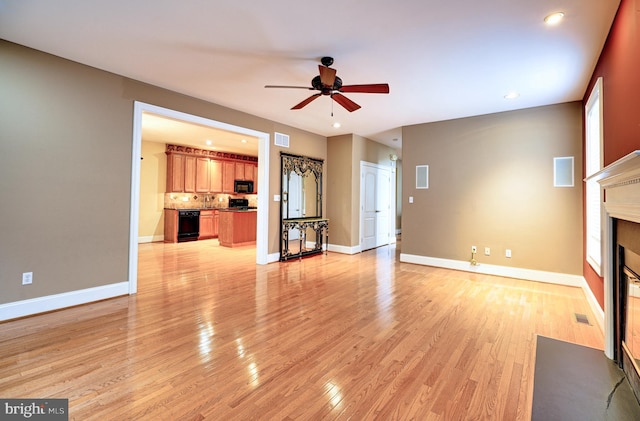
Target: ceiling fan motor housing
x,y
316,82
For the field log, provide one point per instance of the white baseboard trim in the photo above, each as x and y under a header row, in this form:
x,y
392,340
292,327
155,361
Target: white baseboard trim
x,y
58,301
518,273
150,239
509,272
345,249
273,257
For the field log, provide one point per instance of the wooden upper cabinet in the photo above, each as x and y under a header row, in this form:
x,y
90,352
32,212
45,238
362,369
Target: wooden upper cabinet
x,y
239,174
189,174
248,172
215,171
255,178
202,175
228,176
191,170
175,173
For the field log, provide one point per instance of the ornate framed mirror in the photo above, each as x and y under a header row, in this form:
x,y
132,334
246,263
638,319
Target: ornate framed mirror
x,y
301,206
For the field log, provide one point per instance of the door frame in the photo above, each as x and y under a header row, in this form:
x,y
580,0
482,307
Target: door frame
x,y
262,232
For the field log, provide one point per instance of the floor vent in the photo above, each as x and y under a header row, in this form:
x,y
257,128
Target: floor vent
x,y
582,318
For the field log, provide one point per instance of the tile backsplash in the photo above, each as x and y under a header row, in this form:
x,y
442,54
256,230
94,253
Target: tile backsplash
x,y
204,200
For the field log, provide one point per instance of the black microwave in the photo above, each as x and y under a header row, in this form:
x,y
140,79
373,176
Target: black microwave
x,y
243,186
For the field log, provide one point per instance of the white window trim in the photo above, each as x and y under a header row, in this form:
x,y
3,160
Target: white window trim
x,y
594,239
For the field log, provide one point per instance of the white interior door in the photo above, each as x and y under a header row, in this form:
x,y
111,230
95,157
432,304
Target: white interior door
x,y
375,205
368,225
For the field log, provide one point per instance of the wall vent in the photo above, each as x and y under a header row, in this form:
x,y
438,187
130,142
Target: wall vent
x,y
281,140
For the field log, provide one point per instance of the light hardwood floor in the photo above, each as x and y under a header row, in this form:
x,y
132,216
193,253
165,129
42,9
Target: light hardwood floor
x,y
212,336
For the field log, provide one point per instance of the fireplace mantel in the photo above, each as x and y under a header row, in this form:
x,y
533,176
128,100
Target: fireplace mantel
x,y
621,181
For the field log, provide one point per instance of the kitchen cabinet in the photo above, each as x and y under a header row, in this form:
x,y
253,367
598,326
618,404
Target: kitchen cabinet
x,y
209,221
189,174
202,181
237,228
255,178
239,171
228,176
248,172
191,170
170,226
215,171
175,173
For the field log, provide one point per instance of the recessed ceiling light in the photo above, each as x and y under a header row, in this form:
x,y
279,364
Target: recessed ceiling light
x,y
208,142
244,141
336,125
554,18
512,95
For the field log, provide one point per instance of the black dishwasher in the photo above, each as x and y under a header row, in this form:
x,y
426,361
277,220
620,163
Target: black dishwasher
x,y
188,225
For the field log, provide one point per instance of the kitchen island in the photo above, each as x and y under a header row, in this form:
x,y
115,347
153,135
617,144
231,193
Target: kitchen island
x,y
237,227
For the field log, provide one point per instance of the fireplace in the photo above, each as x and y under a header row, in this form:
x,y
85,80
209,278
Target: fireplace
x,y
627,303
621,258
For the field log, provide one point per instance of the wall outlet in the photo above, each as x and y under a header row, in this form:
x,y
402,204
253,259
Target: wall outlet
x,y
27,278
487,251
507,253
474,249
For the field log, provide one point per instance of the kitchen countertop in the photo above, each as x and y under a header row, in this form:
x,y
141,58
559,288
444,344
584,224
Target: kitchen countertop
x,y
236,210
214,209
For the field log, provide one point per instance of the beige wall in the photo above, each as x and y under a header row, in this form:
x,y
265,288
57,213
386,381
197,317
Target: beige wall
x,y
345,153
65,160
153,184
339,181
491,185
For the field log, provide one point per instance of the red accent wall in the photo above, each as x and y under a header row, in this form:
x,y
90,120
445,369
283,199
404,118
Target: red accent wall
x,y
619,67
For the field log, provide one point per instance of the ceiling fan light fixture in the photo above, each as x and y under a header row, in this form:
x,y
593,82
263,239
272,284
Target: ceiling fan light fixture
x,y
554,18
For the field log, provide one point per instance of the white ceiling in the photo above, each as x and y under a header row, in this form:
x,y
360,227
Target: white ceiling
x,y
156,128
442,59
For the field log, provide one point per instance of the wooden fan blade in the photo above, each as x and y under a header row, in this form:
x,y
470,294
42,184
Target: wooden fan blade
x,y
376,88
345,102
327,75
305,102
289,87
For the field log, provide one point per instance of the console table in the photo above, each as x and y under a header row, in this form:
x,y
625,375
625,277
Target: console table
x,y
318,226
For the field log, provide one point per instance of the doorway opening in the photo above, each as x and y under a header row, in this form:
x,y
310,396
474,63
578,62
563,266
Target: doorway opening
x,y
262,257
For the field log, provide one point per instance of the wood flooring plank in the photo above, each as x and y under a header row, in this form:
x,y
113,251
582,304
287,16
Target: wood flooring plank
x,y
211,336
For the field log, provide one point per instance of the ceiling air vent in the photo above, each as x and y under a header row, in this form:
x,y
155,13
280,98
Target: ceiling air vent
x,y
282,140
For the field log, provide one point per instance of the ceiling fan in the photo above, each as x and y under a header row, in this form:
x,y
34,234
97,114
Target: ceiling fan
x,y
327,83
